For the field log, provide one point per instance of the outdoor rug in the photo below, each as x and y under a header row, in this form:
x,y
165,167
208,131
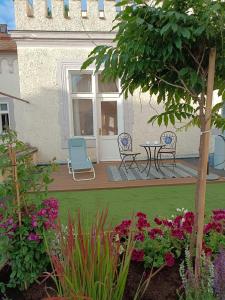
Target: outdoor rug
x,y
165,172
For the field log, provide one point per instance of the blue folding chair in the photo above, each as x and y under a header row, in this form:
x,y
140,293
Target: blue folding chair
x,y
78,161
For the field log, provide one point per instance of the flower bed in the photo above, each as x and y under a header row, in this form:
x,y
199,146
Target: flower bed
x,y
163,242
158,250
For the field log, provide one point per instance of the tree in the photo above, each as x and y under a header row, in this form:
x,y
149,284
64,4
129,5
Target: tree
x,y
174,49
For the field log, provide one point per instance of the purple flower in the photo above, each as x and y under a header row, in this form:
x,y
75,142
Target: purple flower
x,y
219,281
33,237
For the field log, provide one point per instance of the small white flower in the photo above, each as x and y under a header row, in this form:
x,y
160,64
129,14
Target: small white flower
x,y
178,209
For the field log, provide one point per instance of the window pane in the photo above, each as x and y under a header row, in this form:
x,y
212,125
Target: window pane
x,y
109,117
81,83
83,117
4,122
3,107
107,86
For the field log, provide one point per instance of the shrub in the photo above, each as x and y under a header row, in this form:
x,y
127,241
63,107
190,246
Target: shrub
x,y
26,247
93,264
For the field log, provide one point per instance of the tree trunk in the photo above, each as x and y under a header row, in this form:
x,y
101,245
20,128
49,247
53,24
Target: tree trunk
x,y
201,185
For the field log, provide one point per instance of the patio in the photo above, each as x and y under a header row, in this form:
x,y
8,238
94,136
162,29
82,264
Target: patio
x,y
64,181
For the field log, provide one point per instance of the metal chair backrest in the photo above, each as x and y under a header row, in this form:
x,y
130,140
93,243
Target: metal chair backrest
x,y
169,139
124,141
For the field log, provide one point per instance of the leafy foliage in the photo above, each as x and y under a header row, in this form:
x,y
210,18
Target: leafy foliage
x,y
163,48
31,178
26,250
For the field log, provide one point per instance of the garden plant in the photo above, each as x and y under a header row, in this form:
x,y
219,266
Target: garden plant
x,y
24,218
173,49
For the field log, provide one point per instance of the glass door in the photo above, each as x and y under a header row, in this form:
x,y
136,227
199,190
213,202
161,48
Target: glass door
x,y
111,123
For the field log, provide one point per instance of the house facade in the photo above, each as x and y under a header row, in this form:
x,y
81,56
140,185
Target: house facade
x,y
64,101
9,79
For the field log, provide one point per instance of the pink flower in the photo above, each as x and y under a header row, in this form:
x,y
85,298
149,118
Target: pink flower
x,y
169,259
42,212
138,255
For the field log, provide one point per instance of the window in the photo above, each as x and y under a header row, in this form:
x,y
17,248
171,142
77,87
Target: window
x,y
84,89
107,86
81,83
83,117
109,117
4,117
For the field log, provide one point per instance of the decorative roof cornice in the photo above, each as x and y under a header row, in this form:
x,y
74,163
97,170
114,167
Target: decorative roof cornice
x,y
61,38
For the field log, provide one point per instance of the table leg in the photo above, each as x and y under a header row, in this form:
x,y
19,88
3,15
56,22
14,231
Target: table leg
x,y
157,159
148,164
149,159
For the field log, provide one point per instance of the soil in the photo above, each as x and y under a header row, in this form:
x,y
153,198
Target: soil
x,y
163,286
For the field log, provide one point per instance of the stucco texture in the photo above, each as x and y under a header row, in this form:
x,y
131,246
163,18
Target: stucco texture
x,y
58,22
39,123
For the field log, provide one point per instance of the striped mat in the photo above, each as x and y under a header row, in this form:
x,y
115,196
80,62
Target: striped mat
x,y
166,171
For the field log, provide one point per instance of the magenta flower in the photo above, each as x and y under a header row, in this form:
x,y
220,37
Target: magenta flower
x,y
169,259
138,255
177,233
139,237
141,215
158,221
33,237
154,232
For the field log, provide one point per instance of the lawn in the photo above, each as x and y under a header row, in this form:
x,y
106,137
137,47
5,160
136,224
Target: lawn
x,y
122,203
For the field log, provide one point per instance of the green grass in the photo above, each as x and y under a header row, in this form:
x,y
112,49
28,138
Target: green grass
x,y
122,203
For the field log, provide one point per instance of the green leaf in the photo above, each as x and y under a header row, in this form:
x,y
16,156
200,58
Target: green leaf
x,y
178,43
185,33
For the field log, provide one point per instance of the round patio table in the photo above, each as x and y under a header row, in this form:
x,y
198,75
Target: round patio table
x,y
155,157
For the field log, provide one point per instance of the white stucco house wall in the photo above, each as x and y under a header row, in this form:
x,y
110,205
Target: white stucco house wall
x,y
65,101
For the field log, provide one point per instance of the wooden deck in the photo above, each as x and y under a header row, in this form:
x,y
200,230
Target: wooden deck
x,y
64,181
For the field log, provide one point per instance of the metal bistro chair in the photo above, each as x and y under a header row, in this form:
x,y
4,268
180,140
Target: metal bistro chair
x,y
125,148
169,139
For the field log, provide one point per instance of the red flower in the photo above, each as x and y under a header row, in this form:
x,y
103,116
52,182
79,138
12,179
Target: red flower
x,y
158,221
142,223
169,259
177,220
139,237
141,215
154,232
167,223
177,233
138,255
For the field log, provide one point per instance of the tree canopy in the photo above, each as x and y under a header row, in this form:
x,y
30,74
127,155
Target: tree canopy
x,y
163,47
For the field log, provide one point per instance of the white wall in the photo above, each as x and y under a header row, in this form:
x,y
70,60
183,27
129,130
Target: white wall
x,y
9,82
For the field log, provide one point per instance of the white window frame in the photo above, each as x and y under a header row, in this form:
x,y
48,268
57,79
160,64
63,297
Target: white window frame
x,y
4,112
90,95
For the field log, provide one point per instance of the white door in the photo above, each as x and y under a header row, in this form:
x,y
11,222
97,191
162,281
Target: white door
x,y
110,125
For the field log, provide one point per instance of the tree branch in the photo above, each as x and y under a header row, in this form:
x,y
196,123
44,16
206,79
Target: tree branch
x,y
183,83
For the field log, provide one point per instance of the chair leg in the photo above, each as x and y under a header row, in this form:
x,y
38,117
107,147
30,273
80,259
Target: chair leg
x,y
69,166
123,163
84,179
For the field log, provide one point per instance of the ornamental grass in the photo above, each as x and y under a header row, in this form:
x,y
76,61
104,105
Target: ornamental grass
x,y
91,265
